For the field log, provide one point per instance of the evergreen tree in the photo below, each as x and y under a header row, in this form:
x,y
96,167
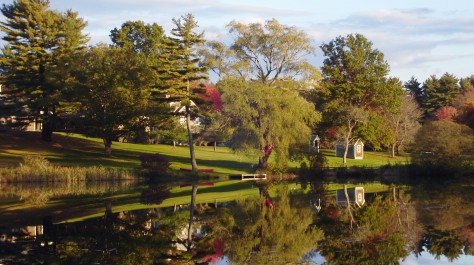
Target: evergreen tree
x,y
38,38
467,83
440,92
414,87
181,71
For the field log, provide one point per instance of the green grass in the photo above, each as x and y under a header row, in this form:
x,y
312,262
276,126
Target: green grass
x,y
371,159
78,150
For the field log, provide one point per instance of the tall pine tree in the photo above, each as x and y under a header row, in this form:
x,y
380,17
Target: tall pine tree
x,y
37,39
181,71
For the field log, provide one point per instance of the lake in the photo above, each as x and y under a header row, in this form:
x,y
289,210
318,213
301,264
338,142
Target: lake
x,y
237,222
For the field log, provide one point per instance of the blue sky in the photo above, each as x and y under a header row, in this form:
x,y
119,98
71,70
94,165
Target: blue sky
x,y
418,37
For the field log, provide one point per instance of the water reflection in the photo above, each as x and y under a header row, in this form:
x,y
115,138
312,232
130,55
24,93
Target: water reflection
x,y
272,230
281,225
38,193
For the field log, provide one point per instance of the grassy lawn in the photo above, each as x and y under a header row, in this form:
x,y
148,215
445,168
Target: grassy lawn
x,y
371,159
78,150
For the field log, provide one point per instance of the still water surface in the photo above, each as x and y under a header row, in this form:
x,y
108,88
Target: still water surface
x,y
132,223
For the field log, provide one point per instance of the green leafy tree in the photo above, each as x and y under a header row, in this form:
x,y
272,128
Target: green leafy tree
x,y
112,85
38,38
180,70
355,78
266,119
173,132
146,41
443,144
264,62
216,129
466,83
266,53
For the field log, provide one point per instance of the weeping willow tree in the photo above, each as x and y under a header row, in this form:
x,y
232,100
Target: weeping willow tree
x,y
266,119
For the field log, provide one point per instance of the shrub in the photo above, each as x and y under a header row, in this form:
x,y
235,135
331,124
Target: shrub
x,y
36,168
444,144
154,163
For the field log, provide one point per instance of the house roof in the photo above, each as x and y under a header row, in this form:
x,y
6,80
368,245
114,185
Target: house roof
x,y
355,141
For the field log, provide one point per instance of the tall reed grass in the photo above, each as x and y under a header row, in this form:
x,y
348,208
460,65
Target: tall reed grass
x,y
39,169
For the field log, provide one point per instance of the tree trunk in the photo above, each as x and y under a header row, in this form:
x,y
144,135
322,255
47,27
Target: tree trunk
x,y
266,152
48,124
174,144
346,150
108,146
349,210
190,140
393,150
191,215
47,131
215,146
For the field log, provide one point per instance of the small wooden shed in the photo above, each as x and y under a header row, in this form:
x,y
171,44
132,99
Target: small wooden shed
x,y
355,151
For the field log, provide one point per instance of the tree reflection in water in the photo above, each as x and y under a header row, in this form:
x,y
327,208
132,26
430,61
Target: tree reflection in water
x,y
262,234
436,218
446,208
376,238
281,229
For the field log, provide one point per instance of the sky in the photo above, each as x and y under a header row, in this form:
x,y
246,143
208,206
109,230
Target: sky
x,y
419,38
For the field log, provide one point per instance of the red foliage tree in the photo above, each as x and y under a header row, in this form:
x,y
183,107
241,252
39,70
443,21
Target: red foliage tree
x,y
467,113
446,113
213,95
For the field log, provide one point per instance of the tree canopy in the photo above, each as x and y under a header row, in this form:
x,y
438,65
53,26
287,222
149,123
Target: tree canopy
x,y
440,92
355,78
112,84
266,52
443,144
266,119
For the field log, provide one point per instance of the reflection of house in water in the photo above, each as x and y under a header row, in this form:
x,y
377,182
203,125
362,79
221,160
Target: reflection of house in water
x,y
14,235
28,240
356,196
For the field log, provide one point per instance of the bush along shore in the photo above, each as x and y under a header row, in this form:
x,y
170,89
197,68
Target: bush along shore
x,y
36,168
